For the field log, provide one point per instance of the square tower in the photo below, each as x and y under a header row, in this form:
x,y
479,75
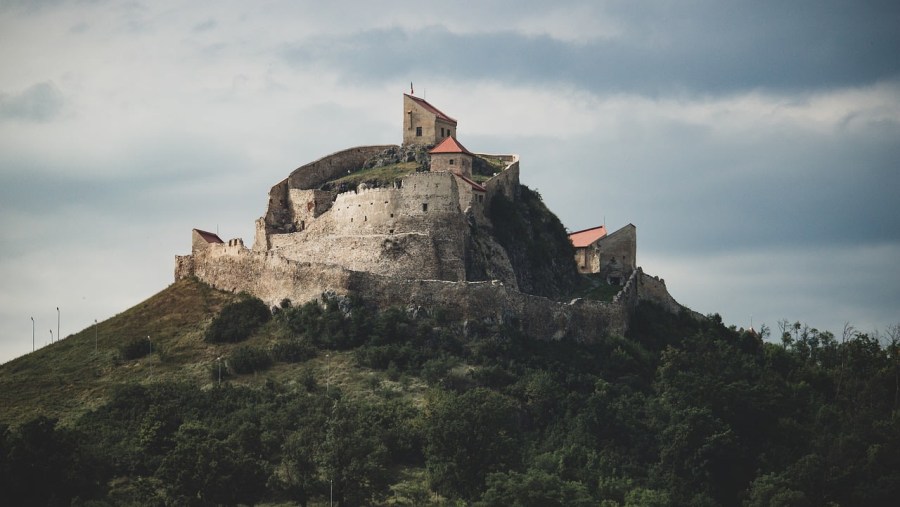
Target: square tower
x,y
423,123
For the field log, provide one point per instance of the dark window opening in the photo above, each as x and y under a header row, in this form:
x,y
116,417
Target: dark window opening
x,y
392,215
391,231
418,131
442,131
424,206
451,161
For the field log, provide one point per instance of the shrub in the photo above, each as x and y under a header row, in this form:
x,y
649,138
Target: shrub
x,y
237,321
134,348
293,351
248,360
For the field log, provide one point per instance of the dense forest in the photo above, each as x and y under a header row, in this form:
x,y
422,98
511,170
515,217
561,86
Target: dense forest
x,y
679,412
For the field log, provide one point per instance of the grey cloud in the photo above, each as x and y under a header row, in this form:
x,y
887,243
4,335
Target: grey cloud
x,y
39,102
714,48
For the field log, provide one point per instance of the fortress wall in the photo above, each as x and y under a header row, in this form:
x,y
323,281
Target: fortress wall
x,y
269,276
493,302
507,182
307,205
314,174
653,288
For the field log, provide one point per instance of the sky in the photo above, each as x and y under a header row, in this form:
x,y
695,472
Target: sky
x,y
755,145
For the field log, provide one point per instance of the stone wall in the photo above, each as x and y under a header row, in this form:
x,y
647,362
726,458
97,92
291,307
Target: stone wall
x,y
506,183
314,174
615,254
459,163
414,230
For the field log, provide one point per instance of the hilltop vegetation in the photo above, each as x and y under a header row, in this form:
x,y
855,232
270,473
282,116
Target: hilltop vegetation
x,y
401,408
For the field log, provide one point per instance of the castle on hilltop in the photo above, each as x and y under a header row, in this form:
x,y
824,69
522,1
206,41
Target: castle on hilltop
x,y
411,225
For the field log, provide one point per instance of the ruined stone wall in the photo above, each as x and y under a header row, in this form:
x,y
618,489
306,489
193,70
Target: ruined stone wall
x,y
415,230
333,166
494,302
280,212
307,205
506,182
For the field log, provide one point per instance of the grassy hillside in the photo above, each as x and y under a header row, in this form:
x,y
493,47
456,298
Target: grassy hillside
x,y
69,376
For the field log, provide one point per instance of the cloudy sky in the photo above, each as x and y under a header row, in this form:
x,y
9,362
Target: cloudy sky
x,y
755,145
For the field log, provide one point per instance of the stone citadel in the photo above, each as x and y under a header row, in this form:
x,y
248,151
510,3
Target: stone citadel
x,y
413,226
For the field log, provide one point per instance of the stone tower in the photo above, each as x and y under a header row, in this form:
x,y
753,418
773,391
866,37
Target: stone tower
x,y
423,123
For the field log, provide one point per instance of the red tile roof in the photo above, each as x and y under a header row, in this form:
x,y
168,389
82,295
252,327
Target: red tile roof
x,y
209,237
475,186
433,110
581,239
450,145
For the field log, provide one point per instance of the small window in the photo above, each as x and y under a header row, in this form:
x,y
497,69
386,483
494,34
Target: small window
x,y
451,161
418,131
392,215
391,231
424,206
442,131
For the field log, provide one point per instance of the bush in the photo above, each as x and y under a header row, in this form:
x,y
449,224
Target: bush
x,y
248,360
237,321
293,351
134,348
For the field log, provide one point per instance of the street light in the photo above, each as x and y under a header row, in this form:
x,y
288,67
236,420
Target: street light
x,y
150,357
219,359
32,334
58,336
95,336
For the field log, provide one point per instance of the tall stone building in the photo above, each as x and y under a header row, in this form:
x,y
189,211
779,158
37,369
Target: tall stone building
x,y
423,123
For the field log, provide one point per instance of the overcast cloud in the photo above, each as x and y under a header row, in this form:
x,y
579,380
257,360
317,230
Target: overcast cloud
x,y
755,145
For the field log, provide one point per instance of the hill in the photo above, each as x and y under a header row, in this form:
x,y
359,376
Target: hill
x,y
404,407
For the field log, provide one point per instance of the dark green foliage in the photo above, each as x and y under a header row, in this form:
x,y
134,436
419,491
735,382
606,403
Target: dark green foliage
x,y
293,351
237,321
134,348
246,359
680,412
469,436
42,464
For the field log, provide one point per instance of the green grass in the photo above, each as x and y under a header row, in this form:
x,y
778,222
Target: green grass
x,y
68,378
594,287
383,175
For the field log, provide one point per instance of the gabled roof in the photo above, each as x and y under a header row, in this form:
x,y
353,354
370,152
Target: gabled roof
x,y
475,186
431,109
581,239
209,237
450,145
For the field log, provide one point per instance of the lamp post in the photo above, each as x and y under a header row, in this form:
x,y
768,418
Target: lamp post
x,y
95,336
58,336
32,334
219,359
150,357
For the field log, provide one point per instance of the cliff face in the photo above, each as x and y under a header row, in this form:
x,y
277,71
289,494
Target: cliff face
x,y
535,243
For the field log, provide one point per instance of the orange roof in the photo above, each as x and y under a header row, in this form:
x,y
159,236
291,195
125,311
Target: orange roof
x,y
433,110
209,237
450,145
581,239
475,186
